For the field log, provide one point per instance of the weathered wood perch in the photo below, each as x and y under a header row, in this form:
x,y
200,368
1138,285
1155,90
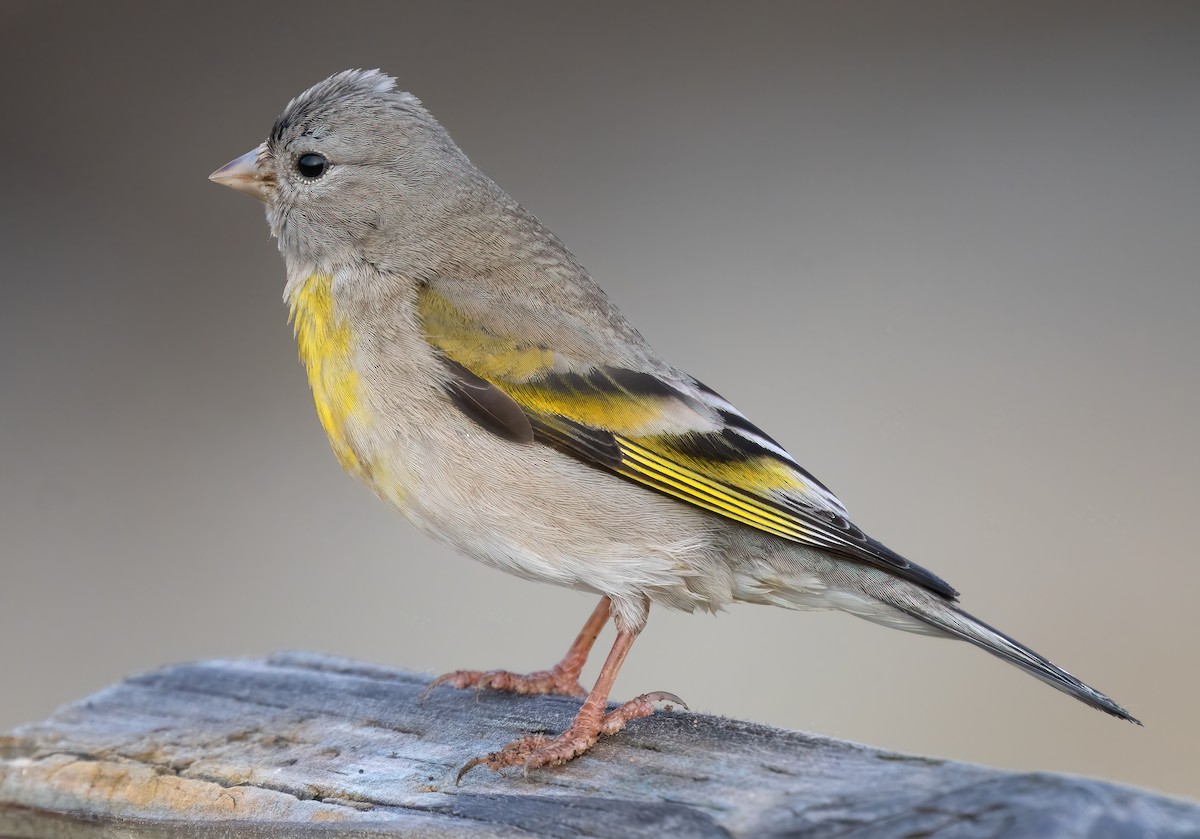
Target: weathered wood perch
x,y
301,746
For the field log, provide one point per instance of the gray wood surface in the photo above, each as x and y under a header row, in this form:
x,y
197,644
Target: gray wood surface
x,y
306,746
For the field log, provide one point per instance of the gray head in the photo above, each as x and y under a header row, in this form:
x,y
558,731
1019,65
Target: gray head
x,y
354,170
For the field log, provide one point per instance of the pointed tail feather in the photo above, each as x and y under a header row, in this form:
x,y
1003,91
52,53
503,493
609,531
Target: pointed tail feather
x,y
958,624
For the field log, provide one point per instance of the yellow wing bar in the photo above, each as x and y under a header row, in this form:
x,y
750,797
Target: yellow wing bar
x,y
646,467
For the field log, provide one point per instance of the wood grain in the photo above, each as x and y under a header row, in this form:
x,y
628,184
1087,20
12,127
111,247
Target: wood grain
x,y
307,746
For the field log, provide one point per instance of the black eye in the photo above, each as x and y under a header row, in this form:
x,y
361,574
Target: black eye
x,y
311,165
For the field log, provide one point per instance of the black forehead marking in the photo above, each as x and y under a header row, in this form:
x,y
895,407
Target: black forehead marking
x,y
277,130
283,126
300,117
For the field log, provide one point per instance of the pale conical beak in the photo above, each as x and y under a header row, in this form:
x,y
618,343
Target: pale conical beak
x,y
243,175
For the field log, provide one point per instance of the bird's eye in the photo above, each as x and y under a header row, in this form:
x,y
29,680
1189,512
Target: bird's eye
x,y
311,165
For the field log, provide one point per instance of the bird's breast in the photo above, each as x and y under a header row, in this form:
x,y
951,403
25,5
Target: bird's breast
x,y
327,346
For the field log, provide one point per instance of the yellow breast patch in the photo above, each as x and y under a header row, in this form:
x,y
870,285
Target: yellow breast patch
x,y
326,349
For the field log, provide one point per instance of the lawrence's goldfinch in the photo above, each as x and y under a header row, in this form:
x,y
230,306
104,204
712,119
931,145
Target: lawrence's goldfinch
x,y
468,369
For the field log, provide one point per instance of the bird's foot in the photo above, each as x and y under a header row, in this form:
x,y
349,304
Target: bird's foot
x,y
557,680
536,750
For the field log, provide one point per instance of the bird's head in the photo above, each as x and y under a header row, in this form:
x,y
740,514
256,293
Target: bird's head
x,y
355,170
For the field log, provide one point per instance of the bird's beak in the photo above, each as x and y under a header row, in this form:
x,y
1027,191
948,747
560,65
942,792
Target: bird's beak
x,y
243,175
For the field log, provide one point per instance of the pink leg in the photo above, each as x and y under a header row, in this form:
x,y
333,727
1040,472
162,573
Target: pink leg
x,y
561,679
591,721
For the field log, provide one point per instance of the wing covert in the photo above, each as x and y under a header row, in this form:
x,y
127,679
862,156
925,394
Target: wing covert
x,y
662,430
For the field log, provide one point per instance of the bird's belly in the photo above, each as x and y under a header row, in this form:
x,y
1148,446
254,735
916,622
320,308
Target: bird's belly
x,y
534,512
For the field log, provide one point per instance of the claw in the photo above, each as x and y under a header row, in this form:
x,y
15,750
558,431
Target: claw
x,y
636,708
470,764
536,751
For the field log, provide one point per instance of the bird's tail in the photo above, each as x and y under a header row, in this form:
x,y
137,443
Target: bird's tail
x,y
952,621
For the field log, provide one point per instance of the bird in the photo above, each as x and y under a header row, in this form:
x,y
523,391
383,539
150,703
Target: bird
x,y
469,370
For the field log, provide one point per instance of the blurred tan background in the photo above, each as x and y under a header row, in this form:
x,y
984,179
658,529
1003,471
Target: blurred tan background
x,y
948,253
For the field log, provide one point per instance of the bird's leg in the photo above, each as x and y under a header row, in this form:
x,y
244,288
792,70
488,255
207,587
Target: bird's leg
x,y
561,679
591,721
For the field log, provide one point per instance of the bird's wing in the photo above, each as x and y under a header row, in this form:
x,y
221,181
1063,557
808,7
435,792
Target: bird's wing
x,y
663,429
